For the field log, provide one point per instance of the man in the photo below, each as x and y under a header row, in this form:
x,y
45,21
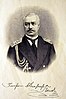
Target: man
x,y
31,53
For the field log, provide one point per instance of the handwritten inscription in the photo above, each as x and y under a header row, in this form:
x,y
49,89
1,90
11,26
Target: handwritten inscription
x,y
35,90
14,86
42,91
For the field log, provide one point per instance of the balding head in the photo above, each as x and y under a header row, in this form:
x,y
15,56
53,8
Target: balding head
x,y
32,15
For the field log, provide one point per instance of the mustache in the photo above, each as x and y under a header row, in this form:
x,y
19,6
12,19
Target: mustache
x,y
30,30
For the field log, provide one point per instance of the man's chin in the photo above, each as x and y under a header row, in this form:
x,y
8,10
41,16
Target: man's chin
x,y
31,34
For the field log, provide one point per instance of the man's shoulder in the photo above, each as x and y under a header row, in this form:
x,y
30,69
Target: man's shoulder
x,y
46,41
12,46
16,42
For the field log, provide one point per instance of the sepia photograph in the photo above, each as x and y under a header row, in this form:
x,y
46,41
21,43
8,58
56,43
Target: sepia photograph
x,y
32,49
32,52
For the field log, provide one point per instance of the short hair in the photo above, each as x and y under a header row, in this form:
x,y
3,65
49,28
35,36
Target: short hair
x,y
32,14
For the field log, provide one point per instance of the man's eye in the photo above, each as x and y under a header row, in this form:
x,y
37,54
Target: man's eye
x,y
33,23
26,23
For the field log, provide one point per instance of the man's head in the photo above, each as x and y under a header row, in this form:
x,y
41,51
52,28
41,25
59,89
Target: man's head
x,y
31,24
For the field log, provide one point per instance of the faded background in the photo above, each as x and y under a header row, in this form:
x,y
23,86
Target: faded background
x,y
53,26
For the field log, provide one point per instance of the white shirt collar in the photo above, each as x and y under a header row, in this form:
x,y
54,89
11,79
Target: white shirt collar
x,y
32,37
36,42
30,42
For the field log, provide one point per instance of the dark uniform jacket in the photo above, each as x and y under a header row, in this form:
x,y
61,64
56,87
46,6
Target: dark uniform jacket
x,y
24,54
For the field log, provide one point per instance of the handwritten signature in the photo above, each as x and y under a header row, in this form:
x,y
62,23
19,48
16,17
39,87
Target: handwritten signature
x,y
42,91
35,90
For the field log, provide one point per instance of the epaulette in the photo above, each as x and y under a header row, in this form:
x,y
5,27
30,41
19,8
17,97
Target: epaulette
x,y
48,40
16,42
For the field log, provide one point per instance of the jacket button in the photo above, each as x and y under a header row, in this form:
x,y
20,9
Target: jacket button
x,y
43,66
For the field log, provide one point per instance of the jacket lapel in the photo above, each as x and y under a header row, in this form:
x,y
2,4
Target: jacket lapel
x,y
27,52
41,53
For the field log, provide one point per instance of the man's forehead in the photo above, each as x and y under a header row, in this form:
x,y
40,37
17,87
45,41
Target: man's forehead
x,y
31,18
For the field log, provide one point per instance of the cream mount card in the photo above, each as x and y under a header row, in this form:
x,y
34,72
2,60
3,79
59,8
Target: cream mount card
x,y
47,83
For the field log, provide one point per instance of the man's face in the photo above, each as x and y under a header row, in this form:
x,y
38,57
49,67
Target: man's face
x,y
31,25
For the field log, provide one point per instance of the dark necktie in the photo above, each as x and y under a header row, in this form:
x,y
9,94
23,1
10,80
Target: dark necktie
x,y
34,48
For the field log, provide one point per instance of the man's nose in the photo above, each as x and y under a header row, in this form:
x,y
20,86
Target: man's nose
x,y
30,26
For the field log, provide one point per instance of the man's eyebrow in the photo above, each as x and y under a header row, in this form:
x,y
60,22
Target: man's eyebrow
x,y
26,22
31,22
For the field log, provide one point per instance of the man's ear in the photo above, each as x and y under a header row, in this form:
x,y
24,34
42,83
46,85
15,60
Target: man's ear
x,y
38,25
23,24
